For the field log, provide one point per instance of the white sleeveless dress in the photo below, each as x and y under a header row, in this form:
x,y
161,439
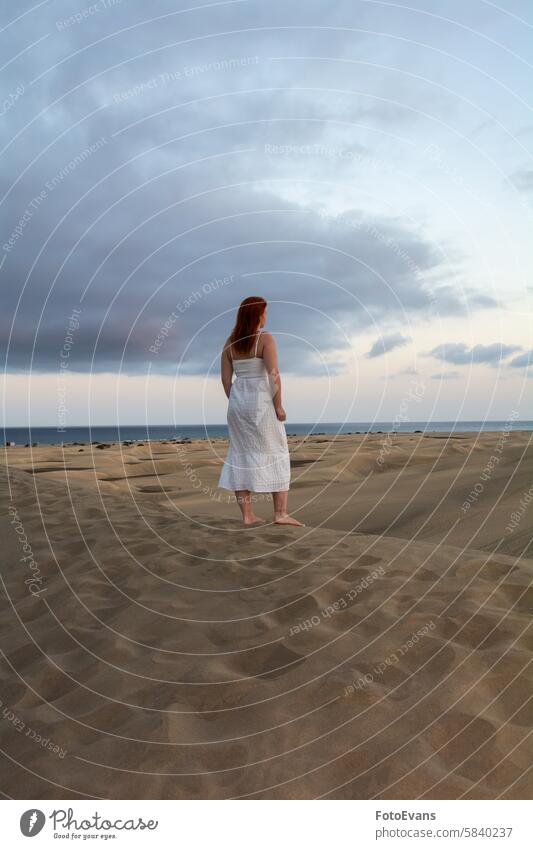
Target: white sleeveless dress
x,y
258,456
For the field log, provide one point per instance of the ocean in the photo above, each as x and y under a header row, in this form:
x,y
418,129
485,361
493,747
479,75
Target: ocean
x,y
114,433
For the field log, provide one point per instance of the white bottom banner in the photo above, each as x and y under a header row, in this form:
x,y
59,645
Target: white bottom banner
x,y
262,824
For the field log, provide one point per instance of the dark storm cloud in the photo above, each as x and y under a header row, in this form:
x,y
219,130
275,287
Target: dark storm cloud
x,y
387,343
460,354
162,166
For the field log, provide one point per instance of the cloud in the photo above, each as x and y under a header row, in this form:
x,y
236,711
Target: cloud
x,y
460,354
523,360
479,299
523,180
129,267
446,297
446,375
410,370
143,173
387,343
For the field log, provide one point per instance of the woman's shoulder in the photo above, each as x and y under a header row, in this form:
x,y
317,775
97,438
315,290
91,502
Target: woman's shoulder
x,y
265,344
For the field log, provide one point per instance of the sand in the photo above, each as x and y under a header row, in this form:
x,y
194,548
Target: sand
x,y
153,648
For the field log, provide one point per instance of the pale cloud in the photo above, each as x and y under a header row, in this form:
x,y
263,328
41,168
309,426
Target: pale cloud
x,y
460,354
522,361
446,375
387,343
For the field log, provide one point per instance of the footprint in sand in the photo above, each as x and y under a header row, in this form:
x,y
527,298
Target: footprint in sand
x,y
55,684
269,662
295,609
156,488
144,548
367,560
481,632
276,565
283,538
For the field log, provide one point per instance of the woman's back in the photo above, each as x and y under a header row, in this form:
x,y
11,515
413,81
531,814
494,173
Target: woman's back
x,y
251,366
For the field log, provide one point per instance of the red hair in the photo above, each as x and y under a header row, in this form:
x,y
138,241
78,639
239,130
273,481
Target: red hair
x,y
249,317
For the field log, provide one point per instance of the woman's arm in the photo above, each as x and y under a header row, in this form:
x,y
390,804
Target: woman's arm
x,y
270,356
226,370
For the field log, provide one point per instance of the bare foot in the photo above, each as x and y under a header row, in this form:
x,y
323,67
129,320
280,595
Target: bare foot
x,y
254,520
285,519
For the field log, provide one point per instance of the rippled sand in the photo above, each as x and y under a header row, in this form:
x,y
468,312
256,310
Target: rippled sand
x,y
153,648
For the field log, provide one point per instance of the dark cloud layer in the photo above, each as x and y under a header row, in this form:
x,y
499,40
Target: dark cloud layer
x,y
160,166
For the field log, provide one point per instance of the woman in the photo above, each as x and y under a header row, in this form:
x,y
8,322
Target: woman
x,y
258,457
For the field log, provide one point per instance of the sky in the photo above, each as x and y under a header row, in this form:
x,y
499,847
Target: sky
x,y
365,166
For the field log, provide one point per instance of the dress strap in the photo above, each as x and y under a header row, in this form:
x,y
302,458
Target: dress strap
x,y
256,344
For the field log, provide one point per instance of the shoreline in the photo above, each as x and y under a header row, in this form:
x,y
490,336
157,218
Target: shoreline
x,y
330,435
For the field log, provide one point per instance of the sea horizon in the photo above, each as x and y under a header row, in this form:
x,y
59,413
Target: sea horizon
x,y
49,435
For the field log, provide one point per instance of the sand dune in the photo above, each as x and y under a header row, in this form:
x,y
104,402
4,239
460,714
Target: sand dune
x,y
153,648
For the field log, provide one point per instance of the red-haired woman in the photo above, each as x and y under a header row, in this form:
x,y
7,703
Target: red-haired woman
x,y
258,457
